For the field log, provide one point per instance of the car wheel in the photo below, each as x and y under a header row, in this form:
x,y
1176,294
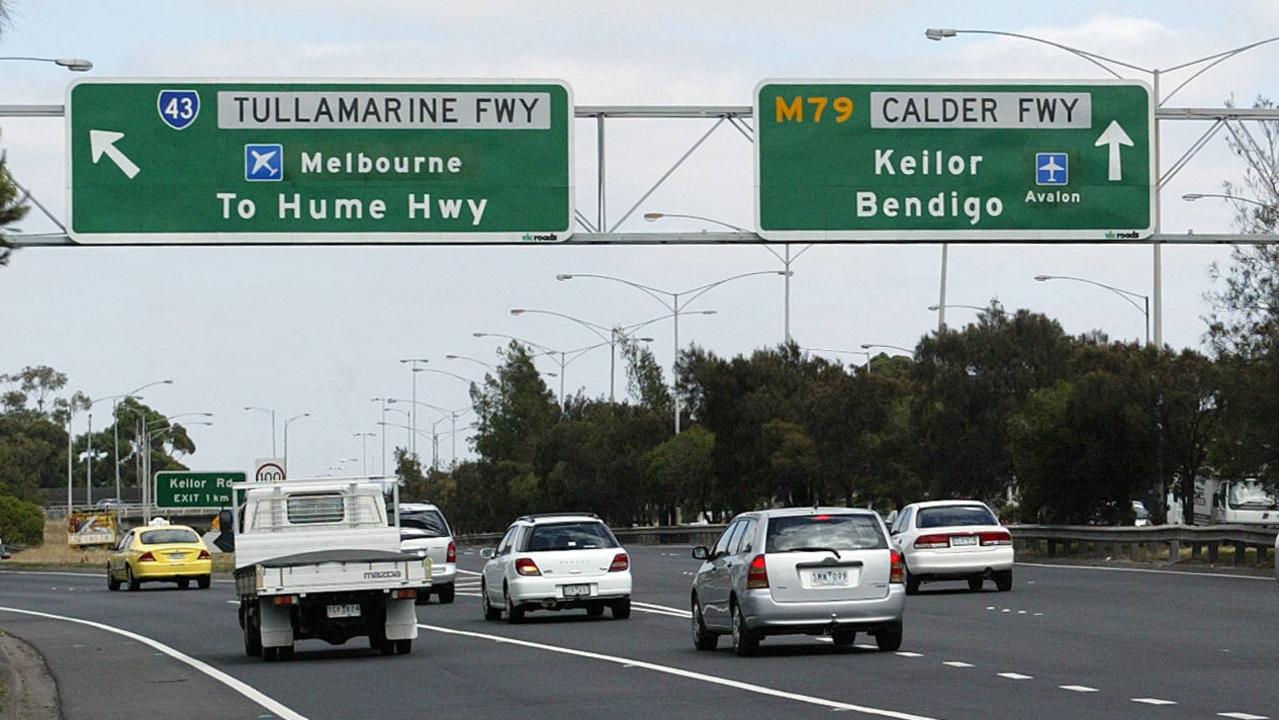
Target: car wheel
x,y
252,637
912,583
270,654
889,637
703,639
1004,580
447,593
744,643
285,653
184,583
204,581
490,612
514,613
975,583
403,647
595,610
113,583
134,583
843,638
621,609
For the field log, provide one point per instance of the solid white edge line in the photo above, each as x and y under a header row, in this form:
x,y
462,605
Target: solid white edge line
x,y
253,694
71,573
680,672
1150,571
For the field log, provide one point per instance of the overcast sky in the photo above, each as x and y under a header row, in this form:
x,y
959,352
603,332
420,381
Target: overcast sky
x,y
320,330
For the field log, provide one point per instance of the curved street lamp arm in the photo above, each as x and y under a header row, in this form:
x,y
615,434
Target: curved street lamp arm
x,y
599,330
1216,60
1091,57
697,292
1127,295
463,378
522,341
655,293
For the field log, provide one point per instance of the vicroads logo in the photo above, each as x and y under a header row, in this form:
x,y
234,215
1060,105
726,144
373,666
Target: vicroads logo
x,y
547,237
1130,235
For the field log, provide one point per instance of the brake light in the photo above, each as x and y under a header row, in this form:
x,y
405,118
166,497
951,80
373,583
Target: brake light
x,y
525,566
286,600
898,572
998,537
757,575
620,562
932,541
821,518
146,557
452,555
204,555
407,594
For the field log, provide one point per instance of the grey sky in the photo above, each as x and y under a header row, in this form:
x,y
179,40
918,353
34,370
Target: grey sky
x,y
320,330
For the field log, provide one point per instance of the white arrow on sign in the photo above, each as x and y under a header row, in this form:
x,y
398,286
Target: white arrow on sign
x,y
102,142
1114,136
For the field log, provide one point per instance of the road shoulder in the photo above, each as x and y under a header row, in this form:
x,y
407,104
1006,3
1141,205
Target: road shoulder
x,y
27,688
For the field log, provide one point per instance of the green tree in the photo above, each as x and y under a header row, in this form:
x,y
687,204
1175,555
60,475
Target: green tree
x,y
21,522
679,472
13,208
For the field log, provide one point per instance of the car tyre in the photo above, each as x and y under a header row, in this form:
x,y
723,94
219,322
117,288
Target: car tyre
x,y
270,654
403,647
912,583
514,613
252,637
204,581
184,583
490,612
703,639
285,653
113,583
889,637
595,610
621,609
1004,580
744,642
447,593
975,583
843,638
134,583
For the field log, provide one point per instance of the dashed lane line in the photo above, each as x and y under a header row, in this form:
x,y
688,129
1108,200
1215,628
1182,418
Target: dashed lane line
x,y
1079,688
958,664
251,693
1149,571
1015,676
1242,716
1153,701
680,672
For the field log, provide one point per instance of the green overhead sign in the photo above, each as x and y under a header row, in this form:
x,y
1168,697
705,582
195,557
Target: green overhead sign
x,y
262,161
195,489
954,160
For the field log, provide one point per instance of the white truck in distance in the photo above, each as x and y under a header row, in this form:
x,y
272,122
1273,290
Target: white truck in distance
x,y
319,559
1219,501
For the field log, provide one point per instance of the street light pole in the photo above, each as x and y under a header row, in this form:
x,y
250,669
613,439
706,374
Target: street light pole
x,y
364,449
270,412
413,371
72,64
1127,295
286,438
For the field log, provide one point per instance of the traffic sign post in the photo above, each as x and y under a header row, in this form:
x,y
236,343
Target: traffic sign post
x,y
954,160
252,161
194,489
267,470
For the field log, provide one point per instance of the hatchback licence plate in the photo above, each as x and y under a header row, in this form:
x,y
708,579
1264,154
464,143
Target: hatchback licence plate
x,y
827,578
576,590
344,611
961,540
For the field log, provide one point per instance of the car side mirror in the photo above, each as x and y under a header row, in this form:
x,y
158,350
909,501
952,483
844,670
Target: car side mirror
x,y
701,552
894,533
226,524
488,553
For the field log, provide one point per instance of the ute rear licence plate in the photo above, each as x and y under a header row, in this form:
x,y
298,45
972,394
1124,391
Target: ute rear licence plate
x,y
576,590
828,578
344,611
962,540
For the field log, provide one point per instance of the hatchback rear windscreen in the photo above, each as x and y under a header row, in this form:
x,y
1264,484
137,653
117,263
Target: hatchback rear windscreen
x,y
955,515
824,532
570,536
424,523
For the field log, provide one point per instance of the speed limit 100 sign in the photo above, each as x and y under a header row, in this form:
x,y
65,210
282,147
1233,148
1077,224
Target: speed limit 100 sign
x,y
269,470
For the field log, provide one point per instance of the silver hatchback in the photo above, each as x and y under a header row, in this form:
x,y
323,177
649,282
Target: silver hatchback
x,y
816,571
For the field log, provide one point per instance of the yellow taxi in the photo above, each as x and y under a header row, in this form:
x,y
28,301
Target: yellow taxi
x,y
159,552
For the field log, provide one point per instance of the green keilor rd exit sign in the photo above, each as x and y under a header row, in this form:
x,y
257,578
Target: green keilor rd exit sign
x,y
183,489
954,160
264,161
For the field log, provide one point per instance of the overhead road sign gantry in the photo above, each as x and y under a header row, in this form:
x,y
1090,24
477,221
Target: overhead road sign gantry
x,y
189,161
954,160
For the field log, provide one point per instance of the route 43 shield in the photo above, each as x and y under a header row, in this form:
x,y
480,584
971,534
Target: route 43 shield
x,y
178,108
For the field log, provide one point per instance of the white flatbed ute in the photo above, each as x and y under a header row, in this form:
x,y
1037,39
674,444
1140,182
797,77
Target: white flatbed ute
x,y
319,559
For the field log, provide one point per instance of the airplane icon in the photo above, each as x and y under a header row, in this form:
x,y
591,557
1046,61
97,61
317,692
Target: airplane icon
x,y
1051,169
264,161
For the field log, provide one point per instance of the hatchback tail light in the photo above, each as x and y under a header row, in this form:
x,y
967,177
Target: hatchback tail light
x,y
146,557
526,566
932,541
452,554
620,562
997,537
204,555
898,572
757,574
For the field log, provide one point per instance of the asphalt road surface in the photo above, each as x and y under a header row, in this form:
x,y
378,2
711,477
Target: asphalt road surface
x,y
1066,643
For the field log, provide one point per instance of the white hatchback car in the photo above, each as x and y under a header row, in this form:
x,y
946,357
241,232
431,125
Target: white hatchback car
x,y
953,540
425,532
555,562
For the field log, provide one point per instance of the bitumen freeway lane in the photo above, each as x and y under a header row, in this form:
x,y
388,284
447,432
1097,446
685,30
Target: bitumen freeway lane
x,y
1067,642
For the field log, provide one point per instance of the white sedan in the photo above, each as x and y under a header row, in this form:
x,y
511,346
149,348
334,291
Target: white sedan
x,y
953,540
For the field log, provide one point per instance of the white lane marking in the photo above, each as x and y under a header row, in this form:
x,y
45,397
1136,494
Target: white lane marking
x,y
958,664
469,572
866,646
1153,701
909,654
667,608
680,672
253,694
1242,716
1021,612
825,639
1016,676
85,575
1078,688
1149,571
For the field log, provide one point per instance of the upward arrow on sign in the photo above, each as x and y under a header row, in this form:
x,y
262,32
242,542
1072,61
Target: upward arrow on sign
x,y
1114,136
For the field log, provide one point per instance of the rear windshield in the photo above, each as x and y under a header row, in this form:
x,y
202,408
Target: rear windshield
x,y
316,508
169,535
955,515
426,523
824,532
570,536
